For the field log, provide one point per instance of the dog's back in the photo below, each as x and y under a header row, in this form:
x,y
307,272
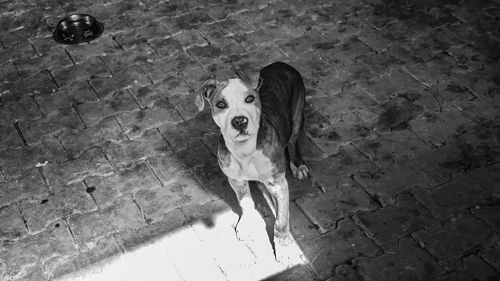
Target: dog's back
x,y
282,94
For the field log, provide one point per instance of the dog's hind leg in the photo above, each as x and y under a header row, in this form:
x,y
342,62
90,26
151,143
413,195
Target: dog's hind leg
x,y
297,165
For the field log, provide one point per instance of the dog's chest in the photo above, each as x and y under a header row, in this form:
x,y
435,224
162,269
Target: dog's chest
x,y
255,167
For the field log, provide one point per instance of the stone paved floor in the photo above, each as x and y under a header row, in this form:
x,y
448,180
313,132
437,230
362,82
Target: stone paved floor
x,y
102,149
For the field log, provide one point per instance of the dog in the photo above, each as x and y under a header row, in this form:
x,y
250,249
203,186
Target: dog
x,y
260,119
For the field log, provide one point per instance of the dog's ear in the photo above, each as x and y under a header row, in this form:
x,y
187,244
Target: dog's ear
x,y
206,91
253,80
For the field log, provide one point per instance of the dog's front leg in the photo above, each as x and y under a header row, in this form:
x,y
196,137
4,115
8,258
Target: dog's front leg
x,y
282,235
250,219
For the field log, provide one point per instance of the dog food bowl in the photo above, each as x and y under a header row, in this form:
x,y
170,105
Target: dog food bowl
x,y
77,28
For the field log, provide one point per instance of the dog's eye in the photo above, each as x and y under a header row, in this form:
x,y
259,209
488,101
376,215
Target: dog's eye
x,y
249,99
221,105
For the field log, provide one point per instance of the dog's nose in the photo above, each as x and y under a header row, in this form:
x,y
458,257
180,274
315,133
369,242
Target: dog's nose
x,y
239,122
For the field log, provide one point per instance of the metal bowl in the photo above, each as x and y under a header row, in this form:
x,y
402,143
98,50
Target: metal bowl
x,y
77,28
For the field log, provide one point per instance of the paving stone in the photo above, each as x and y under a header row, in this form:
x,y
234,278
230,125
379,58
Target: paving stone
x,y
456,156
33,273
345,199
184,189
38,83
312,67
336,247
205,168
344,272
132,239
170,86
45,45
12,223
165,47
390,83
140,54
17,107
379,62
117,103
185,104
14,162
251,41
433,73
10,77
329,171
108,11
122,70
88,228
195,18
453,240
390,223
342,130
226,27
180,136
55,121
195,252
259,58
205,54
28,185
10,137
55,240
374,40
488,214
135,123
94,252
399,147
130,151
488,178
408,262
345,53
484,111
31,66
93,67
396,113
296,273
482,141
386,184
354,73
344,124
103,45
92,162
474,268
436,128
177,63
60,203
338,32
76,93
106,86
106,190
76,141
209,213
491,252
450,198
292,47
481,83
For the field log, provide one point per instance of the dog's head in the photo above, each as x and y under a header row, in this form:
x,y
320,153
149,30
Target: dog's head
x,y
234,103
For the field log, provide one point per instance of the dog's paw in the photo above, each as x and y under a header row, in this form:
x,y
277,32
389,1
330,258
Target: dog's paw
x,y
301,172
288,254
248,224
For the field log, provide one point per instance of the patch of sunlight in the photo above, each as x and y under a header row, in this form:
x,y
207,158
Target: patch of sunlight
x,y
197,252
